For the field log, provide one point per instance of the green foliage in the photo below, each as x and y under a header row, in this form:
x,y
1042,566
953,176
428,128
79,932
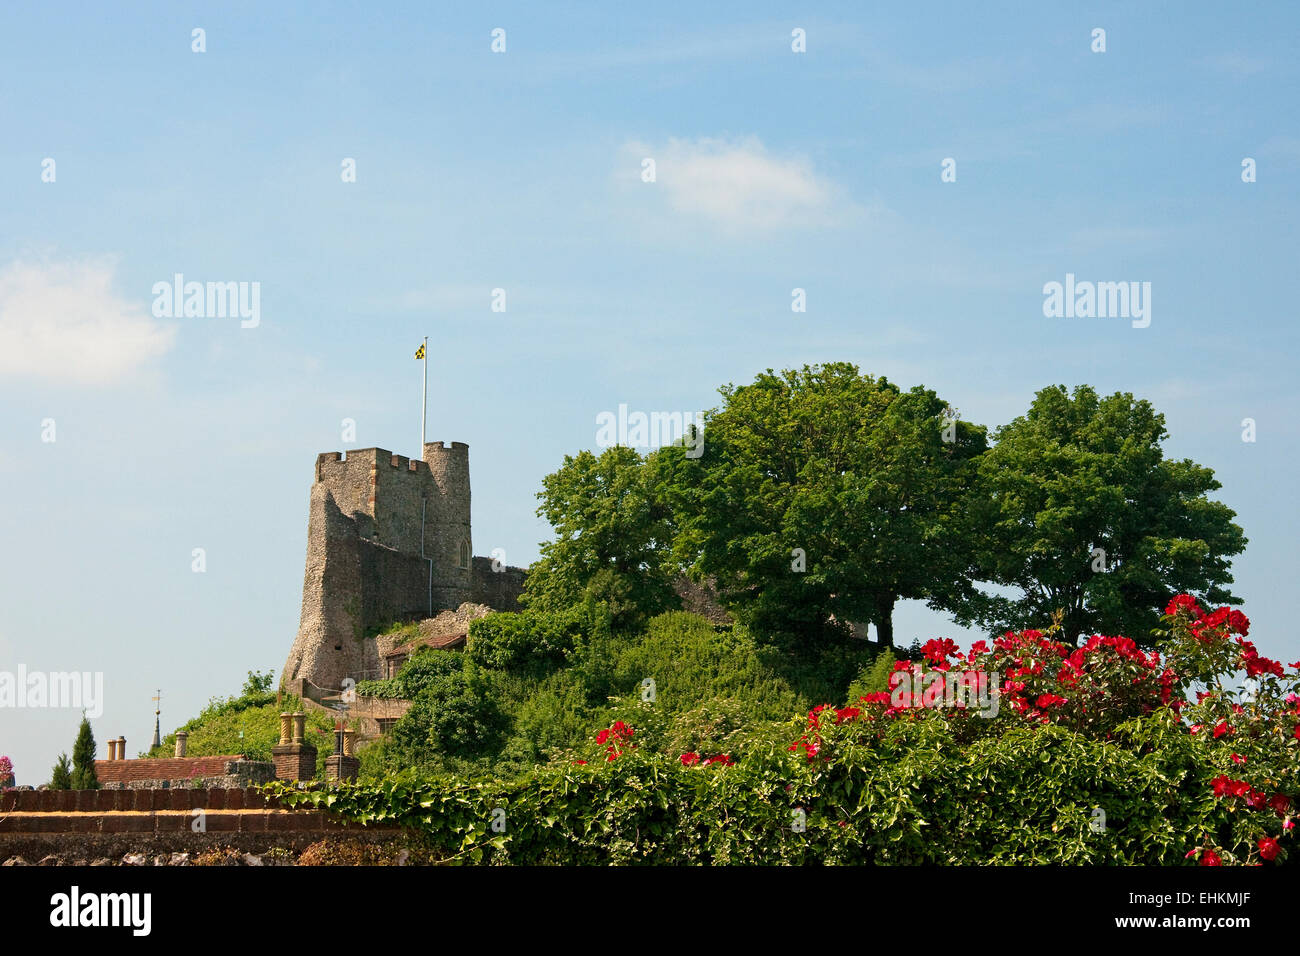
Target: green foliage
x,y
1079,472
914,796
257,683
823,495
613,538
907,785
83,759
534,641
419,670
555,715
61,776
454,714
535,685
874,679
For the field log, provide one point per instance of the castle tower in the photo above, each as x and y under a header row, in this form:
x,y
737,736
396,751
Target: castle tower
x,y
447,537
388,540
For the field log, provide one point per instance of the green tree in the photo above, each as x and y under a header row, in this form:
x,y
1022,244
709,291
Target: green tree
x,y
61,777
83,759
1082,513
823,494
257,683
454,714
612,539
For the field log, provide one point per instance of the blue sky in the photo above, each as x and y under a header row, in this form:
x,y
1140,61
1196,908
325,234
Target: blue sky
x,y
521,170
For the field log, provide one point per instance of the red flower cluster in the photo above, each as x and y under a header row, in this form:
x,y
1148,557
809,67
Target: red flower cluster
x,y
1256,665
691,759
1208,627
810,748
939,650
614,736
1225,786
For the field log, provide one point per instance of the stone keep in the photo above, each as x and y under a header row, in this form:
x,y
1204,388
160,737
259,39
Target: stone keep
x,y
388,539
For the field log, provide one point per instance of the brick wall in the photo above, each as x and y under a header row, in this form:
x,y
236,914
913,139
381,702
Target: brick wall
x,y
171,772
110,822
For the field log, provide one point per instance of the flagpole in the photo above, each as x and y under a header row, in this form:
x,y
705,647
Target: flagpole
x,y
424,394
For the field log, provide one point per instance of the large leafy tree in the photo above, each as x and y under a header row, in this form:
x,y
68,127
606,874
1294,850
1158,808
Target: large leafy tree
x,y
822,494
1083,514
612,538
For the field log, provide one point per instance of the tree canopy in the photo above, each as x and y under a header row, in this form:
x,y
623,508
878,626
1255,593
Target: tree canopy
x,y
612,538
1081,512
823,495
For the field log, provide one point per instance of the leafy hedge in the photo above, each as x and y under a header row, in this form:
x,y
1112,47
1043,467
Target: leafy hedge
x,y
1155,779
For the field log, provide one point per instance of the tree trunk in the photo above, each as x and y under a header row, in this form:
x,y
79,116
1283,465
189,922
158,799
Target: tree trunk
x,y
884,620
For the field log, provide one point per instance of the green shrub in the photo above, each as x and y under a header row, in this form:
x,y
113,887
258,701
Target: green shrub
x,y
454,714
874,679
536,641
420,669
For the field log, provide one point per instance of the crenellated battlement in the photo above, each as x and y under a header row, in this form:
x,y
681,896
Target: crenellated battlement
x,y
333,463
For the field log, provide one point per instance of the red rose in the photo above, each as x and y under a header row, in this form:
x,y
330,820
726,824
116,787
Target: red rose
x,y
1268,848
1210,858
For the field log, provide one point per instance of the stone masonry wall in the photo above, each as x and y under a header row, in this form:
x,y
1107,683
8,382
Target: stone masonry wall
x,y
499,590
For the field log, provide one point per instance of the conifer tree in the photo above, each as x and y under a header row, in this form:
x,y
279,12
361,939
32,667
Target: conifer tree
x,y
61,777
83,759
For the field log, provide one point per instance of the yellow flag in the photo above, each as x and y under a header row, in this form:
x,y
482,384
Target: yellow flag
x,y
419,353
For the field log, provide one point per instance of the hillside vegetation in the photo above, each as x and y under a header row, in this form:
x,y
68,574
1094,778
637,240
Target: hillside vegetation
x,y
247,724
532,686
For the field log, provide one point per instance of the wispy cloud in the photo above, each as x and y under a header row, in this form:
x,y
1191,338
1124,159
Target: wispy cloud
x,y
62,322
737,185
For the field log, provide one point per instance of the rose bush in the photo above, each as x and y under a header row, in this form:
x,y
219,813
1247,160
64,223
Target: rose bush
x,y
1098,753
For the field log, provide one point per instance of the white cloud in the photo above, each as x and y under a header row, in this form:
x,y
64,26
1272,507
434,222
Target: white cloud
x,y
62,322
738,185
